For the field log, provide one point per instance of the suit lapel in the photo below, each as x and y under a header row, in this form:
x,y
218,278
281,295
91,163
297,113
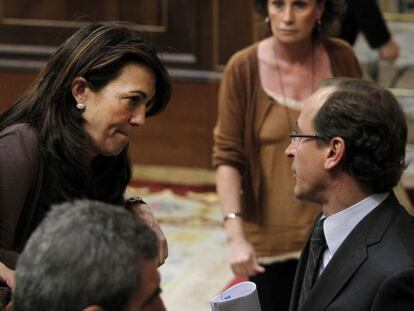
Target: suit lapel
x,y
349,257
300,272
340,269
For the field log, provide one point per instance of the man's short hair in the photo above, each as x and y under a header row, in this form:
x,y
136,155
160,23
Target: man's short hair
x,y
372,123
83,253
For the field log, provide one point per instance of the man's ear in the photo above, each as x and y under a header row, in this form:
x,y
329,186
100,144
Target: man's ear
x,y
335,153
79,89
93,308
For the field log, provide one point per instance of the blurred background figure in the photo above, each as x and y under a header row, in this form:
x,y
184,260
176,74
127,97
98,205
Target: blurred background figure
x,y
67,137
91,256
260,98
365,16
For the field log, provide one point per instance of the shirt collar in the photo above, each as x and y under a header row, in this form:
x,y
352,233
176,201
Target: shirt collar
x,y
339,225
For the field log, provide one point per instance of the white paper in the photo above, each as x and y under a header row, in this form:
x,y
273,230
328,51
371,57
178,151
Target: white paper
x,y
240,297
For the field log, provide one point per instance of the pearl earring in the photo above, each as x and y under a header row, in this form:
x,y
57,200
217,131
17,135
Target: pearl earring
x,y
80,106
267,20
319,25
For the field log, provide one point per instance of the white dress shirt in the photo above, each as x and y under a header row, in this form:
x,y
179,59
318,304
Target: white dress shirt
x,y
339,225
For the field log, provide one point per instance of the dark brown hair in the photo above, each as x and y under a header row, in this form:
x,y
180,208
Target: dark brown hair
x,y
98,53
373,125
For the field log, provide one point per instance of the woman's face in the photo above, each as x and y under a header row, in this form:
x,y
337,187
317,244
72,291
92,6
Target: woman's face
x,y
112,113
293,21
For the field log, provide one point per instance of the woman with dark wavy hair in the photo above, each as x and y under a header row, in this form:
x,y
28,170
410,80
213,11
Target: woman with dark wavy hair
x,y
260,98
67,137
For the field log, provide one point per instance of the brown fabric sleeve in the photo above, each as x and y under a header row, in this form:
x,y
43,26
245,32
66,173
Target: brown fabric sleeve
x,y
18,153
230,128
344,62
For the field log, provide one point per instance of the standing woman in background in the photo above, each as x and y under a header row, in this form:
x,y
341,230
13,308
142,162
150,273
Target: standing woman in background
x,y
67,137
260,98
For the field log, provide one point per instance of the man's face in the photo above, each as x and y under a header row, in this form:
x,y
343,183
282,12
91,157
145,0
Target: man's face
x,y
308,156
148,296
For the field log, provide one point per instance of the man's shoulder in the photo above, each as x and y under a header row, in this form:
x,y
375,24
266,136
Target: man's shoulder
x,y
403,222
388,232
396,292
396,239
404,227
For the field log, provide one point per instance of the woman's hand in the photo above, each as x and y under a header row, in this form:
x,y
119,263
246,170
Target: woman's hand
x,y
7,275
243,259
389,51
144,213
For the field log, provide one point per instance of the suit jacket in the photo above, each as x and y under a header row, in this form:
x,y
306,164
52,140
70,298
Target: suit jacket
x,y
373,269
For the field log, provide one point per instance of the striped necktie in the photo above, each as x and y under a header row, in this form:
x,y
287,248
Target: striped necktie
x,y
316,250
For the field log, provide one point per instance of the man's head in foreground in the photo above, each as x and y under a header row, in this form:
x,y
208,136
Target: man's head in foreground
x,y
88,256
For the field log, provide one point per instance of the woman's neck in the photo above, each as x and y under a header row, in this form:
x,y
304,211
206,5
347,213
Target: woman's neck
x,y
294,53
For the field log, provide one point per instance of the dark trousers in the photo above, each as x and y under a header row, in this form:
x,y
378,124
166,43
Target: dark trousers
x,y
275,285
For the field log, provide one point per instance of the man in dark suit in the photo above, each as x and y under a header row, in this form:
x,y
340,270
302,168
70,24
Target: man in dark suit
x,y
348,154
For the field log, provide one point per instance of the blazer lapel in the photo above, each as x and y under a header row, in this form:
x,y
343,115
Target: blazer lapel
x,y
300,272
340,269
351,255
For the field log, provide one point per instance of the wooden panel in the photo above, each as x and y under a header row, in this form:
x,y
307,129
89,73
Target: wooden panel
x,y
46,23
195,35
51,12
12,86
181,36
235,30
182,134
145,12
61,10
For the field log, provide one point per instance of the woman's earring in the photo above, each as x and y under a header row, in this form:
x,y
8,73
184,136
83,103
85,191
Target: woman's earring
x,y
267,20
319,25
80,106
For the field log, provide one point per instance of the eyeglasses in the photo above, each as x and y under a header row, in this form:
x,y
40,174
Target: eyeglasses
x,y
295,137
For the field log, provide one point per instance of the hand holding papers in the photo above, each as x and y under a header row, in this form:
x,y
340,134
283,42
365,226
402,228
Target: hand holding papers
x,y
240,297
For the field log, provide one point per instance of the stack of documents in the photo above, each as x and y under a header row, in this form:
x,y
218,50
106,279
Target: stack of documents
x,y
240,297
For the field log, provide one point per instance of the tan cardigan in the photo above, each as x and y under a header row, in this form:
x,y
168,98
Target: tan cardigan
x,y
243,106
242,99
